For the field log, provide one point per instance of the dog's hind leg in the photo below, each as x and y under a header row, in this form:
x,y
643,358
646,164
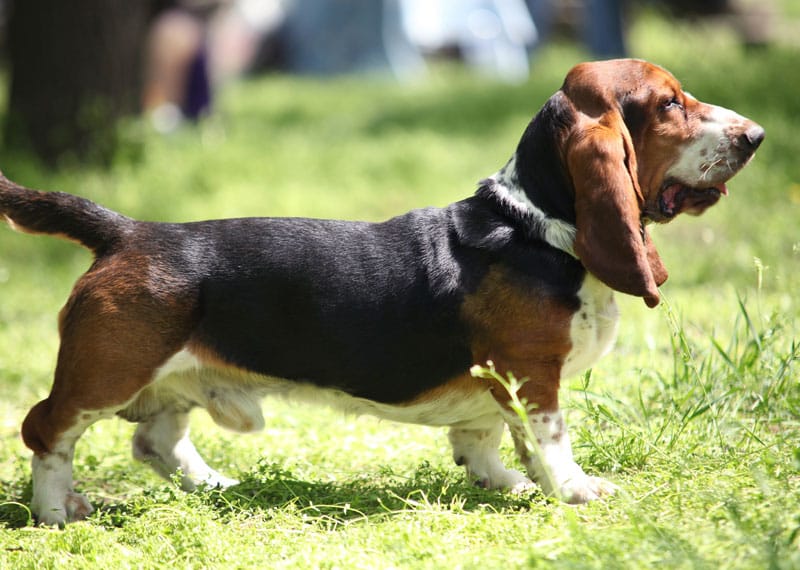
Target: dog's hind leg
x,y
162,441
110,350
477,450
52,434
89,385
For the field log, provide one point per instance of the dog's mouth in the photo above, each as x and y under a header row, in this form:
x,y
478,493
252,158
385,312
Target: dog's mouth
x,y
677,198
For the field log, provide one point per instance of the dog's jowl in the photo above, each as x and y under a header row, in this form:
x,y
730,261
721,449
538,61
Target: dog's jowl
x,y
385,318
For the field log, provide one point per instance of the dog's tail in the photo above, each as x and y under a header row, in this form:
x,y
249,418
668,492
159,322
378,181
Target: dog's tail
x,y
62,215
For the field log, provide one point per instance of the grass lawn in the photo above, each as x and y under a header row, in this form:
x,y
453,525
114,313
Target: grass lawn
x,y
695,415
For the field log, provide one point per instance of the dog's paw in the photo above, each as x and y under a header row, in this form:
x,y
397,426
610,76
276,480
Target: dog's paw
x,y
507,479
585,488
209,479
218,481
523,487
75,507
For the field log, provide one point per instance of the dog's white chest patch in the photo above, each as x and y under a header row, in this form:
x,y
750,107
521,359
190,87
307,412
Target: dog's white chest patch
x,y
593,328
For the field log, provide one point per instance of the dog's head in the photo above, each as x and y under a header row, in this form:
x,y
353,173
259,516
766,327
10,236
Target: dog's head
x,y
631,147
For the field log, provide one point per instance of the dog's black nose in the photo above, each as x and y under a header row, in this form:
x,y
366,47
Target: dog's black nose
x,y
753,136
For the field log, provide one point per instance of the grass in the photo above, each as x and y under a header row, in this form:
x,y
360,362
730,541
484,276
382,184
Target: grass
x,y
696,414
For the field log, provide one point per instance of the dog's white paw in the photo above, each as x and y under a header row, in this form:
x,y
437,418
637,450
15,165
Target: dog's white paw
x,y
218,481
585,488
501,478
522,487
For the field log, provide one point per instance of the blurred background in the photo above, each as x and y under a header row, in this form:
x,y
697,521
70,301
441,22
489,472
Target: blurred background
x,y
365,109
75,69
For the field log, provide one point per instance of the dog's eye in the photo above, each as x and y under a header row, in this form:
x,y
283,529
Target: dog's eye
x,y
670,104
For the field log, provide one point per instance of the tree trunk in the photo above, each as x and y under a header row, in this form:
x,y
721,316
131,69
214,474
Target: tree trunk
x,y
75,70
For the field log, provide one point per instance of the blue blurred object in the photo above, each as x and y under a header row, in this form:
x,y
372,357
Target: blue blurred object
x,y
197,102
603,28
327,37
600,25
492,35
387,36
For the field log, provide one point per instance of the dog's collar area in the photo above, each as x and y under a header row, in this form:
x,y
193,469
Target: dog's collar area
x,y
504,189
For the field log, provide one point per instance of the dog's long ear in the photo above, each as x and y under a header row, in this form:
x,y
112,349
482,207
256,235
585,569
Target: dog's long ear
x,y
610,240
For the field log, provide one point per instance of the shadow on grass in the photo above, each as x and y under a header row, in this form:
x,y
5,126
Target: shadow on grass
x,y
15,498
273,491
386,494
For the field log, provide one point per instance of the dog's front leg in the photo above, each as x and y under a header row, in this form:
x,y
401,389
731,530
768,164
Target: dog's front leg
x,y
476,448
546,453
542,441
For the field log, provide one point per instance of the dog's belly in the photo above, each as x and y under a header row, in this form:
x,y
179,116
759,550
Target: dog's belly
x,y
233,398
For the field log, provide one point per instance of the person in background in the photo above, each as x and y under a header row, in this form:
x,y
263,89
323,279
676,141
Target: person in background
x,y
600,23
177,84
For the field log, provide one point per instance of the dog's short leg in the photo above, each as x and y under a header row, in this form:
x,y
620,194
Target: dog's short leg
x,y
477,450
53,434
549,459
163,443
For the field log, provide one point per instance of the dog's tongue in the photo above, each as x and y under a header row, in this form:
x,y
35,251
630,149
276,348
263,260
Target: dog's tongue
x,y
670,194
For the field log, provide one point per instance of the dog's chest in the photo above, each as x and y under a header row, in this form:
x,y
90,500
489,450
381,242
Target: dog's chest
x,y
593,328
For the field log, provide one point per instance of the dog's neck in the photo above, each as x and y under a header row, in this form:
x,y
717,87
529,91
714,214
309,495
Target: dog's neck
x,y
504,189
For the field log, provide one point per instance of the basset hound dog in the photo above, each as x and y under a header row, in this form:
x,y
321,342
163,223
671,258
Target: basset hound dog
x,y
385,318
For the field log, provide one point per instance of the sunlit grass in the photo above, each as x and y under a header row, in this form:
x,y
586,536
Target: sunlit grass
x,y
696,414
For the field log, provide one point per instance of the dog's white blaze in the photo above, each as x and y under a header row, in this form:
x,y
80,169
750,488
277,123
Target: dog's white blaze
x,y
593,329
703,161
